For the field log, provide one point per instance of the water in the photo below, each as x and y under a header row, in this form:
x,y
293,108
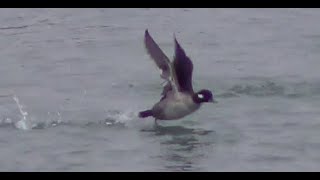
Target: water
x,y
73,80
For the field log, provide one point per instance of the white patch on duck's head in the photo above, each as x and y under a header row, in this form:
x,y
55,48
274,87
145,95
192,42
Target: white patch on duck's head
x,y
200,96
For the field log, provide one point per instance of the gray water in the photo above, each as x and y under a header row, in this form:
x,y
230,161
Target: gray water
x,y
73,80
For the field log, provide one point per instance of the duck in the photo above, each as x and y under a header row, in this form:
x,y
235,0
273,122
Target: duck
x,y
178,97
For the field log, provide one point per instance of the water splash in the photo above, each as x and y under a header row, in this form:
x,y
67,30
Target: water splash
x,y
54,122
24,123
60,119
116,118
28,123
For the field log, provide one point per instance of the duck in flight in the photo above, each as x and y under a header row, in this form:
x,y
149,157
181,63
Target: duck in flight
x,y
178,98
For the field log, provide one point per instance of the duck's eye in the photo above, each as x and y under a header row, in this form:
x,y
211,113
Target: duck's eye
x,y
200,96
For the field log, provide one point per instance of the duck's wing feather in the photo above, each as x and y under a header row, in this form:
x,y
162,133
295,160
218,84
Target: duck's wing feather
x,y
183,68
161,60
163,63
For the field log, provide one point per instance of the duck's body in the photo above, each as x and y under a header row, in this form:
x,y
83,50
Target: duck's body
x,y
179,99
174,106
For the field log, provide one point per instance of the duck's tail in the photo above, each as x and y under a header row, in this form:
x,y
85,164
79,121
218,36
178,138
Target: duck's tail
x,y
144,114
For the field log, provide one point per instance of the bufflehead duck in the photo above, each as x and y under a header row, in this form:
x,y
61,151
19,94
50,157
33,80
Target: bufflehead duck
x,y
178,98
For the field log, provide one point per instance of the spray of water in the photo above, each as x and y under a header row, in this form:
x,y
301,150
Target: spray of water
x,y
24,123
115,117
27,123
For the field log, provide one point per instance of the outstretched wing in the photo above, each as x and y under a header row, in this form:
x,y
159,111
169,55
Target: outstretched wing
x,y
163,63
161,60
183,68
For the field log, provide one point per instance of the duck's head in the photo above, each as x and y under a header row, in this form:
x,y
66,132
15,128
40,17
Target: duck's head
x,y
203,96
